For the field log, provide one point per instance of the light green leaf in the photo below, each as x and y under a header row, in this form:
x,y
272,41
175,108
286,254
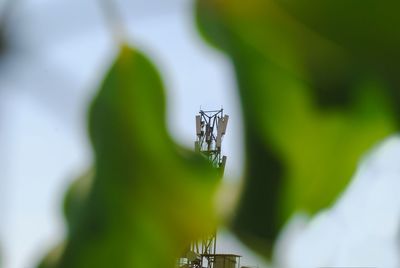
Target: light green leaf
x,y
146,198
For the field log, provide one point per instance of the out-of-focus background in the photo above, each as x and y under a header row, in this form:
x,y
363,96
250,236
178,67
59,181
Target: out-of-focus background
x,y
55,55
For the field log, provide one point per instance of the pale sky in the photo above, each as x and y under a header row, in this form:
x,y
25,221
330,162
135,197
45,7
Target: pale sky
x,y
64,49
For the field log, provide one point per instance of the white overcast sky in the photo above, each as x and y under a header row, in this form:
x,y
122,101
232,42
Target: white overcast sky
x,y
63,47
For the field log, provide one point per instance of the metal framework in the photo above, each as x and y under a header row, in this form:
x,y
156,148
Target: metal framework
x,y
210,130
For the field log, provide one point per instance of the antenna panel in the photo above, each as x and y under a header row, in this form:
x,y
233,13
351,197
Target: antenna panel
x,y
198,125
223,124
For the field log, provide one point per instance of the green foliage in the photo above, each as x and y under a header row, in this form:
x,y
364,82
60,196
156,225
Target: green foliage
x,y
318,87
317,91
142,204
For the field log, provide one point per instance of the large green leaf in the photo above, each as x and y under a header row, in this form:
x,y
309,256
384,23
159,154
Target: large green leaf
x,y
146,198
313,103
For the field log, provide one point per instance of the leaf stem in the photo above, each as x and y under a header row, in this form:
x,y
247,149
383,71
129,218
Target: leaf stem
x,y
114,20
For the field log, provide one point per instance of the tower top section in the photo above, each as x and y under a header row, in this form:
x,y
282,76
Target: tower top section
x,y
210,129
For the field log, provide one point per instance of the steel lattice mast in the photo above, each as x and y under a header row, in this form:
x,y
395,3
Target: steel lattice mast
x,y
210,130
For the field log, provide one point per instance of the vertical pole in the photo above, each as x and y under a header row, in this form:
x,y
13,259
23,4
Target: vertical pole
x,y
209,126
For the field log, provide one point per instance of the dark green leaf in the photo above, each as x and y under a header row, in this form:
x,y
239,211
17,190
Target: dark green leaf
x,y
312,103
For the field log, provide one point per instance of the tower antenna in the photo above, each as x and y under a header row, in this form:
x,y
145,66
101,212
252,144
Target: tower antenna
x,y
210,129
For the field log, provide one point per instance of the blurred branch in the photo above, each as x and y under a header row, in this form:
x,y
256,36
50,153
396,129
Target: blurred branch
x,y
6,10
114,19
5,13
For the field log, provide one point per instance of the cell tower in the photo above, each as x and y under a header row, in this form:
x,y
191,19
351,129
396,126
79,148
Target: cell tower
x,y
210,130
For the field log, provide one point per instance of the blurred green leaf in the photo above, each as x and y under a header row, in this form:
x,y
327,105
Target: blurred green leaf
x,y
317,91
146,198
